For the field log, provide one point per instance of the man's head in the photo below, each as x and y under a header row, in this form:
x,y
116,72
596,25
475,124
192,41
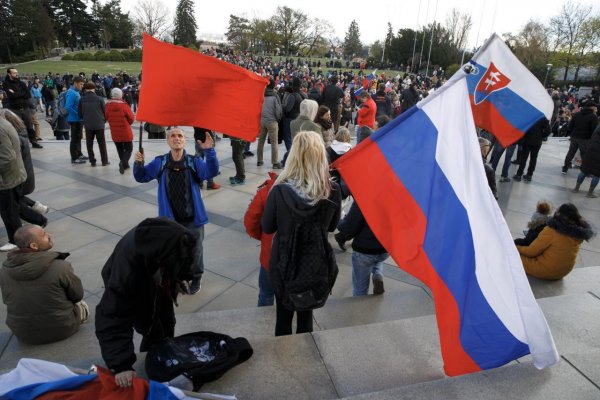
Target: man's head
x,y
33,237
89,86
78,83
364,95
176,139
12,73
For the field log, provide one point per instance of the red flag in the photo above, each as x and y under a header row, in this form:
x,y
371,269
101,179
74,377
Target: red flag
x,y
184,87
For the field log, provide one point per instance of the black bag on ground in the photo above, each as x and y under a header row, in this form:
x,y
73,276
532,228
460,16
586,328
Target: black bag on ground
x,y
200,356
307,265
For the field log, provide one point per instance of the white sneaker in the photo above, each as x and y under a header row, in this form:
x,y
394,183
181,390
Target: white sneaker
x,y
8,247
39,208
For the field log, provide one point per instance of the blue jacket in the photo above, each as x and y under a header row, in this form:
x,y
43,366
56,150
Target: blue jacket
x,y
36,93
72,105
204,170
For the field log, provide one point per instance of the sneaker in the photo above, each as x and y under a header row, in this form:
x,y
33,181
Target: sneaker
x,y
82,157
378,284
259,163
36,145
195,286
504,179
527,178
340,242
591,195
213,186
78,161
104,164
8,247
236,181
563,171
517,178
248,154
277,166
39,208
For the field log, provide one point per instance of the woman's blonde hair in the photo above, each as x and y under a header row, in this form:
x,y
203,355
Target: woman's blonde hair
x,y
343,135
307,168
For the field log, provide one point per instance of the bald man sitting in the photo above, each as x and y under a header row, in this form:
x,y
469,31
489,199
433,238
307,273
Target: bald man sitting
x,y
42,294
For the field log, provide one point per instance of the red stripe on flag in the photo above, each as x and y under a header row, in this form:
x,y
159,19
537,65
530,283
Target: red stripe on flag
x,y
487,117
187,88
399,224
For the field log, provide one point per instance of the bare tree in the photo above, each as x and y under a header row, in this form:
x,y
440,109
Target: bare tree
x,y
566,27
152,17
589,41
458,26
317,36
532,44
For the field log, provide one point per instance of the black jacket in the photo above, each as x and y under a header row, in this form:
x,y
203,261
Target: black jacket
x,y
140,279
354,226
284,200
91,111
17,93
332,97
535,135
583,123
384,104
591,160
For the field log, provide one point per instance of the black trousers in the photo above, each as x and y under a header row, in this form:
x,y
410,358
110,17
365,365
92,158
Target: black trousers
x,y
75,147
283,322
527,151
576,143
9,211
90,134
163,325
25,115
28,214
124,150
237,153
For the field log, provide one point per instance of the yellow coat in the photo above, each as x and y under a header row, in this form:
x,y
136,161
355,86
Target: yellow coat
x,y
551,255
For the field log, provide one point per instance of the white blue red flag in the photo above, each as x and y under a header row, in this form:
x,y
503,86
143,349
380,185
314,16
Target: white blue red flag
x,y
421,185
366,82
506,98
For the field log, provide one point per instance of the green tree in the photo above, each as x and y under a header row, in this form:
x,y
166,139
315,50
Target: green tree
x,y
185,24
74,25
352,44
292,27
238,32
115,28
387,45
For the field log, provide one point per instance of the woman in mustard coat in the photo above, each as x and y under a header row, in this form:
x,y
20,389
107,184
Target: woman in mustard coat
x,y
552,255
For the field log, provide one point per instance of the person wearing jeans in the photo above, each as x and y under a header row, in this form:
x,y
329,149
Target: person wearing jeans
x,y
498,150
91,110
72,106
237,153
532,142
368,254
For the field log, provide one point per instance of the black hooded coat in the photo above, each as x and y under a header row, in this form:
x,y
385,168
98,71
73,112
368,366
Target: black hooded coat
x,y
141,280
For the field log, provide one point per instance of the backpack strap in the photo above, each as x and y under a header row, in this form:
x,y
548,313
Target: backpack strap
x,y
189,163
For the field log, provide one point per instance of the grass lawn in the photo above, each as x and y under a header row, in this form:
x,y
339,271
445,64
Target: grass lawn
x,y
104,67
75,67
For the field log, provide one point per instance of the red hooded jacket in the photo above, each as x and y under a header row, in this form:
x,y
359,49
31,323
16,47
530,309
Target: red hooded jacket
x,y
119,117
253,216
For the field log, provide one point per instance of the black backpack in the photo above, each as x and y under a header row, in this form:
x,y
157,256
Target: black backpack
x,y
307,265
200,356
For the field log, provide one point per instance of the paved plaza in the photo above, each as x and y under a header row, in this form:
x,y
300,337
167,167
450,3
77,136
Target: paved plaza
x,y
91,208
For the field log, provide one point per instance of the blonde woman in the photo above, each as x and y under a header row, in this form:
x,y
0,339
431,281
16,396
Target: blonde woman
x,y
303,192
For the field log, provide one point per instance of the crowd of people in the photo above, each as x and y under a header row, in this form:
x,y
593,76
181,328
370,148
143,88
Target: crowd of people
x,y
312,113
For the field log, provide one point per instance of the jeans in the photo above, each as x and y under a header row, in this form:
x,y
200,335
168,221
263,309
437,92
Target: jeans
x,y
266,295
198,262
89,142
283,322
593,184
363,265
498,150
287,133
269,129
75,147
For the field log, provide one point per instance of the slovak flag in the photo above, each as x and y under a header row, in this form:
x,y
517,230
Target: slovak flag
x,y
366,82
421,185
506,98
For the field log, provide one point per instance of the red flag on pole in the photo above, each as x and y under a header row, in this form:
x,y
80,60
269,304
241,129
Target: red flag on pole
x,y
184,87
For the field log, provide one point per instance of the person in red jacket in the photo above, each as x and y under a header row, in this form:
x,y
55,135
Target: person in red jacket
x,y
266,295
120,117
367,111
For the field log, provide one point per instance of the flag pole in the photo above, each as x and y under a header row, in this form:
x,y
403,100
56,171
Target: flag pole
x,y
140,148
431,41
412,62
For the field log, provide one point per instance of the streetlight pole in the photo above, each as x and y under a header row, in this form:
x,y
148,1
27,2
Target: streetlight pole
x,y
548,66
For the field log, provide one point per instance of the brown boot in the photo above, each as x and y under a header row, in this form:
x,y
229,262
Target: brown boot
x,y
576,188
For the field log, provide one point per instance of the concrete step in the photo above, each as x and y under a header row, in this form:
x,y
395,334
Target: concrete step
x,y
361,345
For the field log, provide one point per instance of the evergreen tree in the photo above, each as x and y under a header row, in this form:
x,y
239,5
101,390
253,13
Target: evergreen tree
x,y
185,24
74,25
352,44
115,27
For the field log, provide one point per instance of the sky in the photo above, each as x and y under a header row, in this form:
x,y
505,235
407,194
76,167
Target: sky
x,y
488,16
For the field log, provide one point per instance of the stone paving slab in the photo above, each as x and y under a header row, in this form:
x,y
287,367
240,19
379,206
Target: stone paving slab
x,y
586,363
579,281
521,381
368,358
